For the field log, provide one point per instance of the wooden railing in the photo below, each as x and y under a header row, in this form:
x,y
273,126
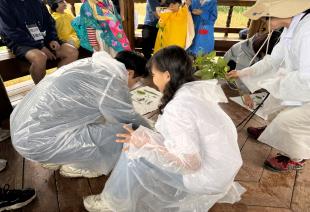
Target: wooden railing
x,y
222,44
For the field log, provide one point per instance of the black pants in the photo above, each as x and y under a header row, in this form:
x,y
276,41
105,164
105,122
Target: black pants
x,y
149,34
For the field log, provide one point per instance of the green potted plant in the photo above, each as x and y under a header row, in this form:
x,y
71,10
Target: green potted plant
x,y
209,66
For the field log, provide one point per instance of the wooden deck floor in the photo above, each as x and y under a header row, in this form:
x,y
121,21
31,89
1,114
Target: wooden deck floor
x,y
266,191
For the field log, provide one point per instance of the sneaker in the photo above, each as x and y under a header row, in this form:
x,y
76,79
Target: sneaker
x,y
94,203
51,166
69,171
283,163
13,199
2,164
255,132
4,134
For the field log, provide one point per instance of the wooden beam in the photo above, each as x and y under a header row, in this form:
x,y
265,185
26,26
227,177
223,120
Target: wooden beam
x,y
127,14
244,3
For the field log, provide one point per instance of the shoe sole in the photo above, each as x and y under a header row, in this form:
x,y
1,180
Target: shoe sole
x,y
71,175
53,168
270,168
3,168
4,138
18,205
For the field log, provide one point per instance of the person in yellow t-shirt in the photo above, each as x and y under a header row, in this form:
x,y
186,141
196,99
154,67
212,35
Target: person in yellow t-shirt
x,y
173,25
63,20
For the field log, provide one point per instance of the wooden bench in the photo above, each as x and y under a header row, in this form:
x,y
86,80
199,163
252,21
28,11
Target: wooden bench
x,y
12,67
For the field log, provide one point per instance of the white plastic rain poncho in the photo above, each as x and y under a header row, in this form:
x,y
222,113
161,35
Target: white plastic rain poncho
x,y
72,115
188,165
286,75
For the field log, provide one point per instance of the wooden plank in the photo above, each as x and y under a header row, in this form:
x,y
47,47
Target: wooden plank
x,y
234,111
301,200
244,3
71,192
13,174
228,29
97,184
238,207
43,180
216,29
267,209
273,190
225,207
253,154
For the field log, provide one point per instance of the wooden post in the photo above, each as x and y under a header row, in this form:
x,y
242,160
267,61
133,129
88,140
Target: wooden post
x,y
127,14
228,21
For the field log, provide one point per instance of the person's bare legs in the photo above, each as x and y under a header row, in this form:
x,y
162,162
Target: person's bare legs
x,y
67,54
38,59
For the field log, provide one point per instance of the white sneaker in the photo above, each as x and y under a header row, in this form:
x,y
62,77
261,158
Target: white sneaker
x,y
51,166
4,134
2,164
94,203
69,171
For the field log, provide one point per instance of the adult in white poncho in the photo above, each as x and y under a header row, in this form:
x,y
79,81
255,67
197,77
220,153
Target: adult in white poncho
x,y
189,163
286,75
71,117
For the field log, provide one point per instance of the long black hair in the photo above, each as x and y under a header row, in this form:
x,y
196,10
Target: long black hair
x,y
175,60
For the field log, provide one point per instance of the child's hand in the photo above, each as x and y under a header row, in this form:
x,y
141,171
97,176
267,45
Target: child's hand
x,y
126,138
48,53
96,48
197,11
54,45
188,2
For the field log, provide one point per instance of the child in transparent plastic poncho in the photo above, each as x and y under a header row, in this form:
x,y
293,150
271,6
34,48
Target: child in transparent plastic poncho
x,y
189,163
71,117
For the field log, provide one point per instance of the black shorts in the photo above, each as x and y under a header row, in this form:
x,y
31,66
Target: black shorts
x,y
20,51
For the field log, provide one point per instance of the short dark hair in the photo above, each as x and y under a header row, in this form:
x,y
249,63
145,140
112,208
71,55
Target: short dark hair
x,y
168,2
54,7
133,61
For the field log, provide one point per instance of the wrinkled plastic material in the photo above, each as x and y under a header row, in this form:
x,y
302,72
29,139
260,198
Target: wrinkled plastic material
x,y
188,164
72,115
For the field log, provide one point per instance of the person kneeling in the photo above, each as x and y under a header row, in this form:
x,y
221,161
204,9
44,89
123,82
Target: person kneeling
x,y
70,119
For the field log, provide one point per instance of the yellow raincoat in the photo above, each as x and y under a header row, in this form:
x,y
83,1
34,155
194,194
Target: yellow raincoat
x,y
64,29
175,28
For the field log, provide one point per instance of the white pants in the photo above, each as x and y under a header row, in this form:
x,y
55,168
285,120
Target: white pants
x,y
289,132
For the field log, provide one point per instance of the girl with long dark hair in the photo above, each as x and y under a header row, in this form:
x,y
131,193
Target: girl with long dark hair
x,y
188,163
